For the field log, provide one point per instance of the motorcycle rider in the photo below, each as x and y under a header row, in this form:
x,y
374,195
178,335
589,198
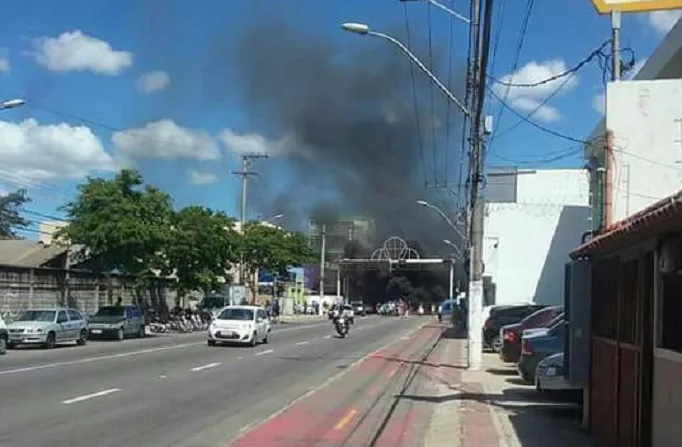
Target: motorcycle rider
x,y
338,311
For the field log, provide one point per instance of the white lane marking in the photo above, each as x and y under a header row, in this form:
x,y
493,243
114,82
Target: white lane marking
x,y
90,396
130,353
327,336
210,365
268,351
301,343
248,427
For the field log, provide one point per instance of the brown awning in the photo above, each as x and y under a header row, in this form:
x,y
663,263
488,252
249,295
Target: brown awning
x,y
661,217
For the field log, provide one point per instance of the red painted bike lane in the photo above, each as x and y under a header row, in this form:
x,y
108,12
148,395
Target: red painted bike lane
x,y
373,404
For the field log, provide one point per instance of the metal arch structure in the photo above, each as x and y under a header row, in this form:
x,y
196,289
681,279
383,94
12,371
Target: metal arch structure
x,y
394,249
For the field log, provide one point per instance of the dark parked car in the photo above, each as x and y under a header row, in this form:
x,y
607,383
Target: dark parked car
x,y
502,316
511,334
536,347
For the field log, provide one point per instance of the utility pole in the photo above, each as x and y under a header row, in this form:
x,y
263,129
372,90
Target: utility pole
x,y
323,244
477,206
608,143
245,173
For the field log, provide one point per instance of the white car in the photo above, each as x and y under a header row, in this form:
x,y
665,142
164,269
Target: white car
x,y
3,336
239,324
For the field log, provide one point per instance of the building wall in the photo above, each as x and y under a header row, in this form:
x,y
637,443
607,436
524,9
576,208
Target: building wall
x,y
48,229
667,400
527,242
646,121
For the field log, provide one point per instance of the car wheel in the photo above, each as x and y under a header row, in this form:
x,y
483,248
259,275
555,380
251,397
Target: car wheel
x,y
50,341
210,342
266,339
254,339
141,333
119,334
496,344
3,346
82,338
10,345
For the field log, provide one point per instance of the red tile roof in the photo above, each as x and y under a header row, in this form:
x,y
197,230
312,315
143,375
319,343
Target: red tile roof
x,y
661,217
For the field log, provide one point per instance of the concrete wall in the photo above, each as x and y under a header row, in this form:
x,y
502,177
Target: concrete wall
x,y
527,242
646,119
22,288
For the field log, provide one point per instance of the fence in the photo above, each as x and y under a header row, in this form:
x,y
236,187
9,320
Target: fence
x,y
22,288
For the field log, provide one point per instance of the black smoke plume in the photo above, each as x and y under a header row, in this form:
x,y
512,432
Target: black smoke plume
x,y
342,127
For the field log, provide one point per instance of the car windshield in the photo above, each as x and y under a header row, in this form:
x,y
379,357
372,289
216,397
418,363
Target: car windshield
x,y
212,302
110,311
37,315
236,314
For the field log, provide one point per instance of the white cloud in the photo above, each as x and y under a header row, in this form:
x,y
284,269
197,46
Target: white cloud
x,y
664,21
4,64
165,139
599,103
153,81
202,178
527,99
75,51
34,152
246,143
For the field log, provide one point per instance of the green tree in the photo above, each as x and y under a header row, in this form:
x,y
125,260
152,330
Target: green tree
x,y
272,249
124,223
202,247
10,219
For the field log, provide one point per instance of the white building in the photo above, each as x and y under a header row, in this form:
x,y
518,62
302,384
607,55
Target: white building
x,y
49,229
645,117
528,235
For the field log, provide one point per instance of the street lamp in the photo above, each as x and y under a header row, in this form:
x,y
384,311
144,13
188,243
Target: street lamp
x,y
443,215
364,30
444,8
12,103
450,244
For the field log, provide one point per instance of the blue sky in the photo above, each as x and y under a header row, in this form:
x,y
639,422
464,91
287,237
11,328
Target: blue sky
x,y
100,77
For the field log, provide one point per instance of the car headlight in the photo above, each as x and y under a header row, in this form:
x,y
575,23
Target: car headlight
x,y
551,371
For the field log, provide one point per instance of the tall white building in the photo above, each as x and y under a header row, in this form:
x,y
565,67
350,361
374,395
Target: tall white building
x,y
530,230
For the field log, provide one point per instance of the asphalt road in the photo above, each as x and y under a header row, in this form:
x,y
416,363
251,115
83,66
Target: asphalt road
x,y
172,390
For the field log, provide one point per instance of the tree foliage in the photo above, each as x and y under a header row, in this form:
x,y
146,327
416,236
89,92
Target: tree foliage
x,y
129,226
10,219
272,249
202,247
123,223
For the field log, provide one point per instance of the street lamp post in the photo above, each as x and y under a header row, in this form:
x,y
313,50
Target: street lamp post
x,y
444,216
11,103
364,30
444,8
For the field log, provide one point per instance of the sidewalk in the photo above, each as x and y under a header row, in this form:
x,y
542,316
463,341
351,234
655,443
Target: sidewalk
x,y
493,407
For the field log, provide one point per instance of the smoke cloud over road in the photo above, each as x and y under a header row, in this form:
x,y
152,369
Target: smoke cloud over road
x,y
341,127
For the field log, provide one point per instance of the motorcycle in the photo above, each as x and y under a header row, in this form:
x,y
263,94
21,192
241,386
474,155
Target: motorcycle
x,y
342,326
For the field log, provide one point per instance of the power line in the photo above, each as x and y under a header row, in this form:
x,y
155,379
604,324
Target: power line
x,y
415,101
433,105
599,52
534,124
514,68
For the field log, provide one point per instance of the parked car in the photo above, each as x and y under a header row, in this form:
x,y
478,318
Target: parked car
x,y
543,329
502,316
536,347
549,375
358,308
117,322
239,324
3,336
510,335
47,327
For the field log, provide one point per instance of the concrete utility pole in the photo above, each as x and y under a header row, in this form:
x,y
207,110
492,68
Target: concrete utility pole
x,y
475,301
323,249
245,173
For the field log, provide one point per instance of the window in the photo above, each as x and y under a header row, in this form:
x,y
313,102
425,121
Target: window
x,y
670,313
74,316
37,315
232,313
62,318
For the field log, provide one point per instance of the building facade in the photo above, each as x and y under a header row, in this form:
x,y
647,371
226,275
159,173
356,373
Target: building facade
x,y
530,229
644,118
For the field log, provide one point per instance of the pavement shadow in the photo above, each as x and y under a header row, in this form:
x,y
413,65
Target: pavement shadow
x,y
502,371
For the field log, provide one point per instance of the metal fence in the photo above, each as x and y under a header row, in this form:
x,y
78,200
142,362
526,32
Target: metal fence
x,y
22,288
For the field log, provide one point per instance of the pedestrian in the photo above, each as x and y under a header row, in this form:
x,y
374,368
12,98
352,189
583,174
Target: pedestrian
x,y
421,310
119,301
